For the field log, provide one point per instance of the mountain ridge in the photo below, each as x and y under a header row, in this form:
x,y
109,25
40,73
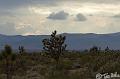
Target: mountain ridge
x,y
75,41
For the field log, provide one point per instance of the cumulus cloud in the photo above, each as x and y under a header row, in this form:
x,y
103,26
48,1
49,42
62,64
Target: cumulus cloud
x,y
80,17
58,16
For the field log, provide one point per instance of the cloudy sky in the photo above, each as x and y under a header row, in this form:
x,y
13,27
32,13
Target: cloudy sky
x,y
27,17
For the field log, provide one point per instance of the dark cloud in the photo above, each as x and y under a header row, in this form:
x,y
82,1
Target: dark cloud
x,y
101,1
117,16
7,28
45,2
10,4
10,7
58,16
80,17
7,13
13,4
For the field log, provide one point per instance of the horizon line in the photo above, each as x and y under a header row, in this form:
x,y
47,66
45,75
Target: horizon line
x,y
59,33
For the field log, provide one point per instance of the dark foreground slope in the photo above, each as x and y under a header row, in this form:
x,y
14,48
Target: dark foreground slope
x,y
74,41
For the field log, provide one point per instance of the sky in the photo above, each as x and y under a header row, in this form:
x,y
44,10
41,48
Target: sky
x,y
38,17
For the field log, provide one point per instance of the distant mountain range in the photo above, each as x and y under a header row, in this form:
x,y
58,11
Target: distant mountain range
x,y
74,41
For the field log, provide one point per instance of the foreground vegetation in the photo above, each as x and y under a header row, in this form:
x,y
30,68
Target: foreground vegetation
x,y
72,65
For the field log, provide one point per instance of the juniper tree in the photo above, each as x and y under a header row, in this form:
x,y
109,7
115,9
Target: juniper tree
x,y
94,49
22,57
54,46
9,58
107,49
21,50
